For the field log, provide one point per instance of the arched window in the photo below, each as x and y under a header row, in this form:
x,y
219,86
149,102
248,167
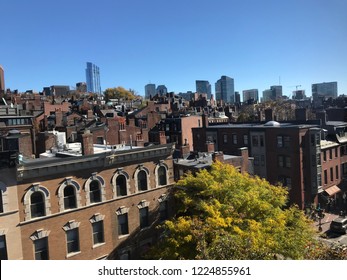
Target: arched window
x,y
162,176
69,197
37,204
142,180
121,185
95,191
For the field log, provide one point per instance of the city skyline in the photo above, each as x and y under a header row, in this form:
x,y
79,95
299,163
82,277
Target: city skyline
x,y
255,49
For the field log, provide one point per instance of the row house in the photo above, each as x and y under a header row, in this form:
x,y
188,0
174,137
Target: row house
x,y
286,153
103,205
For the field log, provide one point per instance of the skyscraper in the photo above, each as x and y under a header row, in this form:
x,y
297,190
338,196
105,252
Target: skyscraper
x,y
249,95
161,90
324,89
225,89
2,80
149,91
203,87
93,78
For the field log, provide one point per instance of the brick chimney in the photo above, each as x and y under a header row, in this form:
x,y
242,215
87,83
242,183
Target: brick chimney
x,y
218,156
185,149
210,147
162,138
87,143
243,152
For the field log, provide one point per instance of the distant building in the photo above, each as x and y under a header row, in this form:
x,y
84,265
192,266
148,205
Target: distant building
x,y
161,90
203,87
81,87
224,89
324,89
274,93
250,94
60,90
299,94
149,90
93,78
2,80
237,97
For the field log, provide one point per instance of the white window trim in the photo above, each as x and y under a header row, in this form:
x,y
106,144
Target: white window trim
x,y
69,182
114,180
36,187
101,180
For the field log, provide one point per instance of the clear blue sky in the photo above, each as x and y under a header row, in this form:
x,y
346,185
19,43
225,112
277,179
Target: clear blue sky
x,y
174,42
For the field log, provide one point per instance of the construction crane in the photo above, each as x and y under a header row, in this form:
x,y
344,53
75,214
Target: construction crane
x,y
296,89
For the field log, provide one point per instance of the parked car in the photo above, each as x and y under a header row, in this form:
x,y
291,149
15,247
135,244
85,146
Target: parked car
x,y
339,225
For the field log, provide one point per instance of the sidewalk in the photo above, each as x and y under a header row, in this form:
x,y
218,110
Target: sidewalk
x,y
325,222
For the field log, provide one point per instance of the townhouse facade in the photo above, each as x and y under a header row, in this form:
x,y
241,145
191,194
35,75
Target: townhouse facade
x,y
96,206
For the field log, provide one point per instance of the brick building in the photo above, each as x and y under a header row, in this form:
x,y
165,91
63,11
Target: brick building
x,y
85,207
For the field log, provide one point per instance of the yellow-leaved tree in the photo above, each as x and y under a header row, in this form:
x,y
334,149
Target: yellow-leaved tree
x,y
223,214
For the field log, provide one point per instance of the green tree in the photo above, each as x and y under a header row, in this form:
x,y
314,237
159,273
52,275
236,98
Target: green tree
x,y
223,214
119,93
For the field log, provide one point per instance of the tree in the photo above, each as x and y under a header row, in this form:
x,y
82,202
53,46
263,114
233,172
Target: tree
x,y
223,214
119,93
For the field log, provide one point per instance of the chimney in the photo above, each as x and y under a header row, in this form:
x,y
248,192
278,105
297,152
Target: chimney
x,y
218,156
210,147
185,149
204,120
269,115
243,152
162,138
322,116
87,143
301,114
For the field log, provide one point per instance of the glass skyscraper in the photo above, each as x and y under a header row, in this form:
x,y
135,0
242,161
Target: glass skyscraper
x,y
203,87
225,89
93,78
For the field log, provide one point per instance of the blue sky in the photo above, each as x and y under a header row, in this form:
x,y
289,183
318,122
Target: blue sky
x,y
135,42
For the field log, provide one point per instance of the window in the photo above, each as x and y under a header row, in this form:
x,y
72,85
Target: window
x,y
121,185
325,177
162,176
261,141
225,138
284,161
245,139
325,155
3,248
72,241
337,171
98,232
286,141
255,141
330,154
95,191
144,218
336,151
262,160
41,248
123,227
279,142
142,180
69,197
163,210
256,160
100,140
234,139
37,205
331,174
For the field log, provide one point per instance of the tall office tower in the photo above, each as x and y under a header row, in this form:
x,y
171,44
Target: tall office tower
x,y
161,90
277,92
149,91
2,80
225,89
93,78
203,87
250,95
325,90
